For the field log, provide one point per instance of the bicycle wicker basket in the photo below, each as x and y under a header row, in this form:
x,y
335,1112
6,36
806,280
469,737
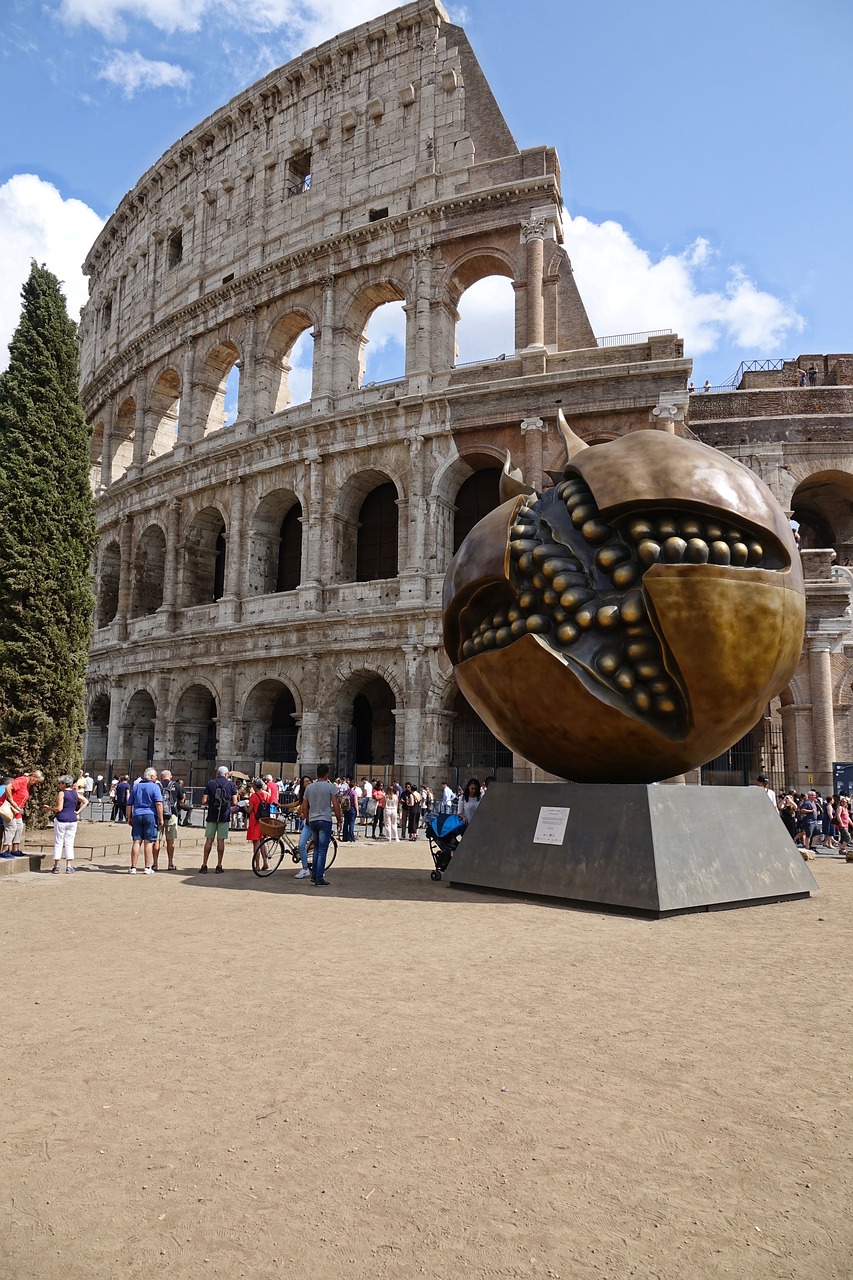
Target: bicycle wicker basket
x,y
272,826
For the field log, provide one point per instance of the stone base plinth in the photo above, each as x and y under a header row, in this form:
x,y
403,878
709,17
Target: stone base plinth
x,y
642,848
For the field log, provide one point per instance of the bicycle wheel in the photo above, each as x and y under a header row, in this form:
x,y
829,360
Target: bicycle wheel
x,y
331,852
270,852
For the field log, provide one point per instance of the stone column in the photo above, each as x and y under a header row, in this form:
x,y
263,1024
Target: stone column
x,y
323,383
823,719
248,368
186,419
234,551
419,326
533,433
533,236
311,591
170,568
107,448
225,706
116,717
141,396
126,579
163,683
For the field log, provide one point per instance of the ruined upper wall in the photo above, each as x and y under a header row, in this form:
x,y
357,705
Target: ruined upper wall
x,y
386,118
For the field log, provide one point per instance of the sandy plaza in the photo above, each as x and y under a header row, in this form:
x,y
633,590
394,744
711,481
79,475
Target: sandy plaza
x,y
234,1077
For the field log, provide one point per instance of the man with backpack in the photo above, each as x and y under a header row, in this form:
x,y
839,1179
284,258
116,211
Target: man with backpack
x,y
220,796
173,796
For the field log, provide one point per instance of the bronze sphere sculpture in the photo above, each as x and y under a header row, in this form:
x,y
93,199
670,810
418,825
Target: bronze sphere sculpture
x,y
631,622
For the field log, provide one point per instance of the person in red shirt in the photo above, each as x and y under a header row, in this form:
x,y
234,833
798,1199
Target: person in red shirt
x,y
260,795
18,793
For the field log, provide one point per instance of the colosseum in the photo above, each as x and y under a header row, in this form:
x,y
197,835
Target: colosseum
x,y
271,553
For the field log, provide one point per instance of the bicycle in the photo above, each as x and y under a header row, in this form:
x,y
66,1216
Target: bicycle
x,y
277,842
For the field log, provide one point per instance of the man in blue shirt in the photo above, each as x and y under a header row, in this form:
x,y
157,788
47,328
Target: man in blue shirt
x,y
145,815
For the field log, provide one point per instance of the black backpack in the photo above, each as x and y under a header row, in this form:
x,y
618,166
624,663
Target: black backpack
x,y
219,802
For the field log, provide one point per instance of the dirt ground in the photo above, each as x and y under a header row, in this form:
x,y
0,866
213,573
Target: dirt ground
x,y
219,1076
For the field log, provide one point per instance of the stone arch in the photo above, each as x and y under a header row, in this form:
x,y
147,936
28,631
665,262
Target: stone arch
x,y
447,484
365,704
137,728
472,268
149,567
123,435
270,730
109,582
204,558
96,456
275,541
822,503
195,729
486,327
164,403
374,545
475,498
353,335
211,380
274,393
97,725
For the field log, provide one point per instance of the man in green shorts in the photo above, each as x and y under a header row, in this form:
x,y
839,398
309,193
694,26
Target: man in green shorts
x,y
220,796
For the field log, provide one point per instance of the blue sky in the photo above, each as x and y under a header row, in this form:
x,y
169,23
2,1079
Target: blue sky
x,y
703,146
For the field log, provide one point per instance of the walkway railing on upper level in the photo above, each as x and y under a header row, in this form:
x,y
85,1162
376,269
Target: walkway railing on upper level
x,y
626,339
757,366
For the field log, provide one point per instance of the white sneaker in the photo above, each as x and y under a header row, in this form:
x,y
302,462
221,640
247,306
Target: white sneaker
x,y
300,875
149,871
132,871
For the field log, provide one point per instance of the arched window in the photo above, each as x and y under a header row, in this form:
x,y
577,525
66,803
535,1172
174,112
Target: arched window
x,y
148,570
476,498
109,577
204,564
123,434
285,368
164,408
383,345
486,326
217,387
232,395
376,552
290,551
219,566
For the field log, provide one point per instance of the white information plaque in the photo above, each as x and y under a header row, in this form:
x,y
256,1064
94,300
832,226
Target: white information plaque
x,y
551,827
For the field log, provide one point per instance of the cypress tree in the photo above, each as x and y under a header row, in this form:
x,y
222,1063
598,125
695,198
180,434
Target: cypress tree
x,y
47,533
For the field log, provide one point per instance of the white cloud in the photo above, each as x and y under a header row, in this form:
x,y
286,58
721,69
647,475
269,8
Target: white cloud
x,y
108,16
308,21
36,222
626,291
130,72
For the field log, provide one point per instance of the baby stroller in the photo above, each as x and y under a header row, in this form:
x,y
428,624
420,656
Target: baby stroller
x,y
444,831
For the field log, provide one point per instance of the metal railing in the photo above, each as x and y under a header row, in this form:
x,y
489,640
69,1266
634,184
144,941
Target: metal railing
x,y
627,339
757,366
470,364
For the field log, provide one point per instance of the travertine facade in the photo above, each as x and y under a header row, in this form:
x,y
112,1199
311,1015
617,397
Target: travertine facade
x,y
799,439
282,574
